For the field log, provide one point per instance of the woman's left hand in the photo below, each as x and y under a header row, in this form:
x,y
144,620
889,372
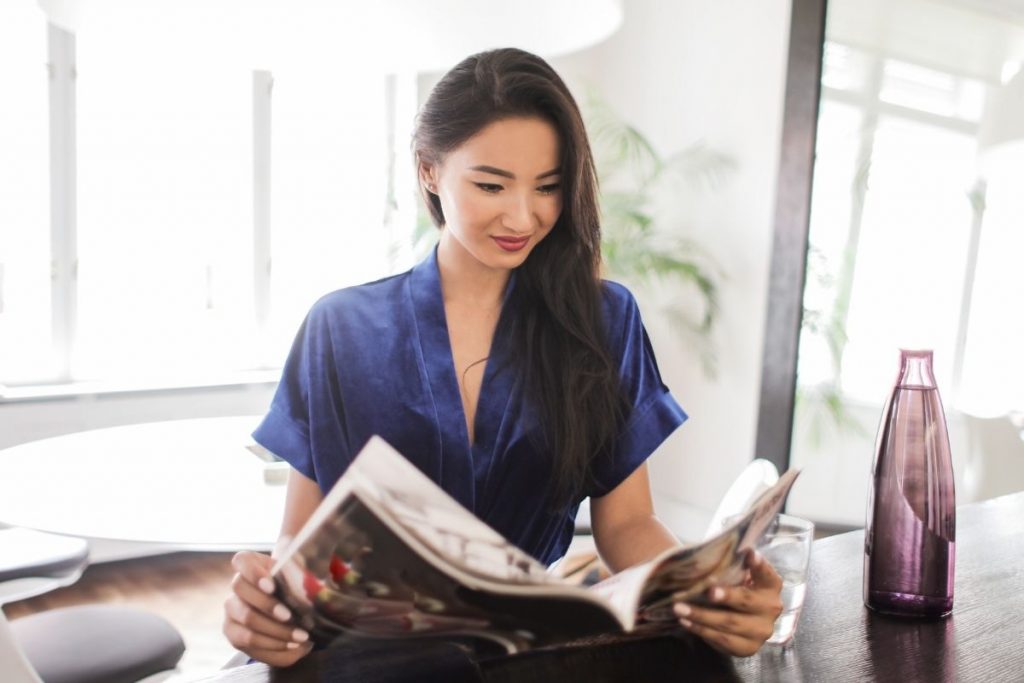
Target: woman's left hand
x,y
741,617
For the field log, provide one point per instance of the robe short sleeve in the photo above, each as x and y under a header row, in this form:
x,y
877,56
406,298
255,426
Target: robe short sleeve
x,y
302,426
653,414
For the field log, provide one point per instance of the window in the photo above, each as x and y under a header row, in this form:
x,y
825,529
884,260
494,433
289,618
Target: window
x,y
908,277
898,210
329,193
208,206
26,349
164,218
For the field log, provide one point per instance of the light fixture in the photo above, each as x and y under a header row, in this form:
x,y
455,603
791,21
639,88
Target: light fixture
x,y
386,35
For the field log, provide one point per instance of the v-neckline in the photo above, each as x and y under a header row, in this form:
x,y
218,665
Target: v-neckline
x,y
439,361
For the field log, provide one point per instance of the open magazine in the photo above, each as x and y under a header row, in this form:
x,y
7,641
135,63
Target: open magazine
x,y
388,554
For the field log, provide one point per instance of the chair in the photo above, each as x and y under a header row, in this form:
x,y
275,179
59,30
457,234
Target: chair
x,y
83,644
755,479
994,458
581,556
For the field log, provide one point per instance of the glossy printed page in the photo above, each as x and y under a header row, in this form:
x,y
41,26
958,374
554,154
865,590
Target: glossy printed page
x,y
438,520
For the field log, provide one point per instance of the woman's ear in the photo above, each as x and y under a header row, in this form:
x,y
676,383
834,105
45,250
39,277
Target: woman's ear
x,y
428,177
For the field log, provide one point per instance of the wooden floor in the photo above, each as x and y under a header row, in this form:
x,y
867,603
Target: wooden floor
x,y
188,589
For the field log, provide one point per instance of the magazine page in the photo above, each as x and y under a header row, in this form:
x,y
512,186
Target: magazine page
x,y
415,502
685,573
368,566
622,591
410,498
356,577
360,576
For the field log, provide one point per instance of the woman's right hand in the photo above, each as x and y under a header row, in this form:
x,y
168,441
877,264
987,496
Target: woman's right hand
x,y
255,622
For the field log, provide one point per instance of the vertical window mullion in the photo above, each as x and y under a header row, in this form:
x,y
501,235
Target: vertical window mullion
x,y
63,198
869,125
977,196
402,196
262,93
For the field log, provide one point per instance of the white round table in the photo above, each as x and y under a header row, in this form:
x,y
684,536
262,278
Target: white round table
x,y
161,486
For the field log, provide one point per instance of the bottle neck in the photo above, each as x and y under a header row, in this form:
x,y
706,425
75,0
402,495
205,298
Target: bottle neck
x,y
916,369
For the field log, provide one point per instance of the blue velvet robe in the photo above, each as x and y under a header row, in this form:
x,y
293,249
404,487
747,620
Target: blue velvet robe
x,y
376,359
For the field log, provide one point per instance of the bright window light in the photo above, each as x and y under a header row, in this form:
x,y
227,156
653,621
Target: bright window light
x,y
26,351
832,210
908,281
329,185
928,90
844,68
164,219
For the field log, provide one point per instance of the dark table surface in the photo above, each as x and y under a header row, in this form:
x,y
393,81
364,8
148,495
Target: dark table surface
x,y
838,639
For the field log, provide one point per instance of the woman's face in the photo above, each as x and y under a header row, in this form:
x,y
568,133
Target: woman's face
x,y
500,191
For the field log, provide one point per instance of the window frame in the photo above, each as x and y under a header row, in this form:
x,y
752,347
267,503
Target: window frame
x,y
869,103
64,257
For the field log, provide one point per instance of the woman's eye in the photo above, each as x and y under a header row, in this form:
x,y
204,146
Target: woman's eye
x,y
489,187
548,189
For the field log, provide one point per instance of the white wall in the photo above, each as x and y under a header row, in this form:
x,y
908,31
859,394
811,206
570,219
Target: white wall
x,y
682,72
38,419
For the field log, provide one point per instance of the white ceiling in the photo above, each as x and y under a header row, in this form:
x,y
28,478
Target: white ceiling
x,y
1007,10
972,38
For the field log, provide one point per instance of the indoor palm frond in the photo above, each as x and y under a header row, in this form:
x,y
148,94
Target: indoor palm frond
x,y
639,245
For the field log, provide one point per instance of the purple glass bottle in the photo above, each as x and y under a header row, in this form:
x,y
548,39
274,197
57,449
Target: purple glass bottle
x,y
909,539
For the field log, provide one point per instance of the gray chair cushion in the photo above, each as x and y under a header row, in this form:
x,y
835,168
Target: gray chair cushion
x,y
98,644
30,553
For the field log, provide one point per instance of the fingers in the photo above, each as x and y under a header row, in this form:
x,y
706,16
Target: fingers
x,y
744,626
723,641
257,623
762,573
272,634
760,595
279,658
746,600
246,628
254,586
742,617
259,600
254,568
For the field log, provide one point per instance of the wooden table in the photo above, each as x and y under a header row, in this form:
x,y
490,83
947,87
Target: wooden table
x,y
838,639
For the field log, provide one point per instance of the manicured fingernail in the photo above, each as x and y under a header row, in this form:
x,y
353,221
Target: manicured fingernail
x,y
300,636
293,646
266,585
686,623
682,610
282,613
755,558
716,594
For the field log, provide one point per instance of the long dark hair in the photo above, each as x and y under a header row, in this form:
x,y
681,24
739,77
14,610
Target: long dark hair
x,y
569,376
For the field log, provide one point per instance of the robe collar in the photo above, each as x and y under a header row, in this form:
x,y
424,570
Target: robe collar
x,y
463,468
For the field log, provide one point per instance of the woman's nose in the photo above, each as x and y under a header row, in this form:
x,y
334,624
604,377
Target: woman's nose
x,y
520,214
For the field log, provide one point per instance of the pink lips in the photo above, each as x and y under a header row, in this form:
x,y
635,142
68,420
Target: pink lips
x,y
511,244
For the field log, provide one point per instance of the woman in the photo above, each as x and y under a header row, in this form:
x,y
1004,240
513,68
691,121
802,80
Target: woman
x,y
500,350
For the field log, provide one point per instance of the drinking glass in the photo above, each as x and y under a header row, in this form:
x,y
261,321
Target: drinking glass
x,y
787,546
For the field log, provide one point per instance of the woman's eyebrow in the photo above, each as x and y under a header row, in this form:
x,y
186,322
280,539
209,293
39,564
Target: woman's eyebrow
x,y
509,174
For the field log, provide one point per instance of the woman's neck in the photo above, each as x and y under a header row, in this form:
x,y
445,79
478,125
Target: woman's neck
x,y
464,280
